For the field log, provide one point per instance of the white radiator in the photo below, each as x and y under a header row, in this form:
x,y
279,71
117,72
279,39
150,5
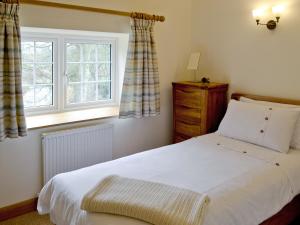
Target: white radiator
x,y
69,150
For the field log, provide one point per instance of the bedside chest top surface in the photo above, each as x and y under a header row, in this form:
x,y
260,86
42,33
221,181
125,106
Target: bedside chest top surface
x,y
200,85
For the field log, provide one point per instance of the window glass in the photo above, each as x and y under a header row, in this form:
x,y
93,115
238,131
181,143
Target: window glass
x,y
88,71
37,73
63,71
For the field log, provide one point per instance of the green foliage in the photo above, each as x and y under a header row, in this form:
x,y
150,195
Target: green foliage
x,y
88,69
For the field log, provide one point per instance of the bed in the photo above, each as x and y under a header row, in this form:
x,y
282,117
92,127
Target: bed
x,y
292,210
246,183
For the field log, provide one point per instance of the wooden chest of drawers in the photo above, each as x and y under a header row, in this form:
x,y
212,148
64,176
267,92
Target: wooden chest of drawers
x,y
197,108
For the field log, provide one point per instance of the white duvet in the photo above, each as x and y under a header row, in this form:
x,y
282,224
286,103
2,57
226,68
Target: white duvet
x,y
246,184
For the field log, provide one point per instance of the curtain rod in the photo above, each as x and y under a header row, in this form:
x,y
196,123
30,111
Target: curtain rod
x,y
91,9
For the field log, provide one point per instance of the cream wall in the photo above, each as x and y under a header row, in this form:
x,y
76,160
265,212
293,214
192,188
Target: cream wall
x,y
20,160
252,59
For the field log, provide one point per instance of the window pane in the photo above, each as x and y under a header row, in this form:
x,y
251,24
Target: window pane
x,y
44,51
43,74
104,71
89,93
104,91
43,94
37,73
27,74
27,51
104,53
28,96
89,72
73,72
73,52
89,52
73,93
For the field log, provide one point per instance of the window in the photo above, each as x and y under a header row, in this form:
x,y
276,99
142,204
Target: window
x,y
64,70
89,72
38,73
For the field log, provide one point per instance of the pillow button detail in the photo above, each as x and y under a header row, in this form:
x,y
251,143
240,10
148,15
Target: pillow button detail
x,y
262,131
277,164
267,118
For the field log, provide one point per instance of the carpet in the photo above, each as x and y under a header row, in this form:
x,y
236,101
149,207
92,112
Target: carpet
x,y
35,219
28,219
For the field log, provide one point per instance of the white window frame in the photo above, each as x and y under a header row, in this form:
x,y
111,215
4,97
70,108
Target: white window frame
x,y
60,38
113,100
51,108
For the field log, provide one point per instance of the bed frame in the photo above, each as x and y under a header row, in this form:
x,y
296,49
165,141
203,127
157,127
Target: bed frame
x,y
292,210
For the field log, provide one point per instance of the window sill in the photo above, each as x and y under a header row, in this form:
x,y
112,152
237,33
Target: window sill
x,y
43,121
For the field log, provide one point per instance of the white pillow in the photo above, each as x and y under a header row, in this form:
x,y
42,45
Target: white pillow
x,y
295,143
271,127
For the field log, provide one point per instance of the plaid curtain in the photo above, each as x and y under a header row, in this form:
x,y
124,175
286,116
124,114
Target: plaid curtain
x,y
12,119
140,94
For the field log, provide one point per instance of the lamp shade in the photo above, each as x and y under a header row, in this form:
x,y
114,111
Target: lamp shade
x,y
257,13
278,9
194,61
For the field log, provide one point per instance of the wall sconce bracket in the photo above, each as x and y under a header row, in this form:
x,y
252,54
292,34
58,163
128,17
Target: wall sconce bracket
x,y
271,25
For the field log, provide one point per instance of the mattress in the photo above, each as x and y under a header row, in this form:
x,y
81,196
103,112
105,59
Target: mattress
x,y
246,183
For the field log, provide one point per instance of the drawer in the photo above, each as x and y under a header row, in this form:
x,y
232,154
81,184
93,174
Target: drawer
x,y
187,129
186,114
188,97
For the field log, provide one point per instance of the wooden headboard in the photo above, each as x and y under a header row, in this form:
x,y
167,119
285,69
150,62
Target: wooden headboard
x,y
237,96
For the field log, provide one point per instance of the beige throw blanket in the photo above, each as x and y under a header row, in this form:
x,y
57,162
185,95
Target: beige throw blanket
x,y
155,203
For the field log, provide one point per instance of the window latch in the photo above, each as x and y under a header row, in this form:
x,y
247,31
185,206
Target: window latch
x,y
66,76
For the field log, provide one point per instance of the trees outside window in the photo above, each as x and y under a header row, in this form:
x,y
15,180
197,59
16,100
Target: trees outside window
x,y
62,72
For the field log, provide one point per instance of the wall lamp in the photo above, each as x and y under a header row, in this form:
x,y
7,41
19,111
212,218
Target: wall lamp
x,y
271,24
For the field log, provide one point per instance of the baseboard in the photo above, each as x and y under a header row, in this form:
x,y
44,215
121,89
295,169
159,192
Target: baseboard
x,y
18,209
